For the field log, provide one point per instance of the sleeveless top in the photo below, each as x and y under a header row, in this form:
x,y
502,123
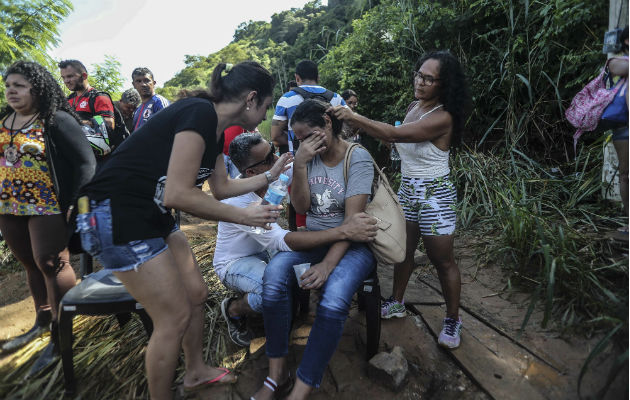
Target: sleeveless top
x,y
422,159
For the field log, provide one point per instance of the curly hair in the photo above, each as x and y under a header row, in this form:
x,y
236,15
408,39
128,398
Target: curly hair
x,y
454,93
47,92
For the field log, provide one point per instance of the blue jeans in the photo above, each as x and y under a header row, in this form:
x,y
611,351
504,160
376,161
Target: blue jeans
x,y
332,311
95,228
245,275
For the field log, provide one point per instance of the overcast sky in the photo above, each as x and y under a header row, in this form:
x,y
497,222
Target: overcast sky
x,y
156,33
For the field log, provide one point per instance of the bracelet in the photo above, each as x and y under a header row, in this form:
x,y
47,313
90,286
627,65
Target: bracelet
x,y
269,177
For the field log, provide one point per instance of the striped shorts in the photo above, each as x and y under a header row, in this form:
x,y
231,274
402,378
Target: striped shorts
x,y
430,202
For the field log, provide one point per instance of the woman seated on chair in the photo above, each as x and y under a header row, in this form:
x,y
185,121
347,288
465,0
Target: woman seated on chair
x,y
320,191
131,231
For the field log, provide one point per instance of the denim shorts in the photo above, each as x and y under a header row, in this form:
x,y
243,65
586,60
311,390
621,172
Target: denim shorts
x,y
95,228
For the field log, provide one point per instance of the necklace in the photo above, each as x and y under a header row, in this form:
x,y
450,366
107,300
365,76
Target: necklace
x,y
11,152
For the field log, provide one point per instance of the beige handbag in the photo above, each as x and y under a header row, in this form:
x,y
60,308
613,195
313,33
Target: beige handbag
x,y
391,237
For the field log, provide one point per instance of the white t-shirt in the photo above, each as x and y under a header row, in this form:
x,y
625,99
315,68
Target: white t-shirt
x,y
236,241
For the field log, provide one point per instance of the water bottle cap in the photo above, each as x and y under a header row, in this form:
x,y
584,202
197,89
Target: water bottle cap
x,y
397,123
284,178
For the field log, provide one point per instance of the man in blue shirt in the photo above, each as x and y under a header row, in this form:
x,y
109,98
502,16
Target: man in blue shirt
x,y
306,76
142,80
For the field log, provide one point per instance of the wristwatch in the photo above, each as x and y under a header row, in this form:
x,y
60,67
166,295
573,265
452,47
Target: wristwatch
x,y
268,176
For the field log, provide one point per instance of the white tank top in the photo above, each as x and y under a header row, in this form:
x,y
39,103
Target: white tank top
x,y
423,159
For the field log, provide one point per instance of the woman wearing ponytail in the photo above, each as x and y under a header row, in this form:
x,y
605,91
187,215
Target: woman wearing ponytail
x,y
130,230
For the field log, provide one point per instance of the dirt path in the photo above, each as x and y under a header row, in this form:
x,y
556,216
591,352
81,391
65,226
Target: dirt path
x,y
492,362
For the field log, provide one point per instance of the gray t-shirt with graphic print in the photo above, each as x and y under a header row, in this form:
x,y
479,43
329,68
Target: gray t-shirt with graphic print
x,y
328,189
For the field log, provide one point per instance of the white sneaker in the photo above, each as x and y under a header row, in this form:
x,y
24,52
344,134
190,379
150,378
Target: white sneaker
x,y
450,335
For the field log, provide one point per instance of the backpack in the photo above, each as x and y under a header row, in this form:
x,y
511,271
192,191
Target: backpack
x,y
389,244
588,105
120,131
324,96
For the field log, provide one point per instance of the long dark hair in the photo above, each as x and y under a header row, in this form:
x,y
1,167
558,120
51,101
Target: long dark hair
x,y
47,92
311,112
229,82
454,94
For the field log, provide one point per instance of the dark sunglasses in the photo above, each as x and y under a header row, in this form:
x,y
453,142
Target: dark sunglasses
x,y
269,159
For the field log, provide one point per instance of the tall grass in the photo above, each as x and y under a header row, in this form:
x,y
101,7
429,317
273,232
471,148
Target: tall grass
x,y
551,223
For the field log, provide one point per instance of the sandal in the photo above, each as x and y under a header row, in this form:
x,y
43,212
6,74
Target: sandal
x,y
210,383
279,391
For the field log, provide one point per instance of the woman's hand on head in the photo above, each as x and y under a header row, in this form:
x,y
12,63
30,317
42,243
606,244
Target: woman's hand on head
x,y
281,165
310,147
341,112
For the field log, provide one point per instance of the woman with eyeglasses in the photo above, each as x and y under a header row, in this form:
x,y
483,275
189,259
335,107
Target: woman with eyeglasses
x,y
131,231
433,124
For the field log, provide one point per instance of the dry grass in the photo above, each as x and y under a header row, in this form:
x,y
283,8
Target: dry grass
x,y
109,359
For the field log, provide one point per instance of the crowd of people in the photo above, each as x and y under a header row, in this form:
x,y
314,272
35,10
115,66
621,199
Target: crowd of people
x,y
60,151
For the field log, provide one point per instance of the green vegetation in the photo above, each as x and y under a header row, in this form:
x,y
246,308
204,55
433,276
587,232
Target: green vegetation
x,y
29,28
106,76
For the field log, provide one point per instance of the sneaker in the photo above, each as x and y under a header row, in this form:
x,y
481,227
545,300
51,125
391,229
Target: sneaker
x,y
393,308
451,333
237,328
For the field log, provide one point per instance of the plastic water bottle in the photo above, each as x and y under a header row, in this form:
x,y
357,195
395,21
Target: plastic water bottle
x,y
276,193
393,155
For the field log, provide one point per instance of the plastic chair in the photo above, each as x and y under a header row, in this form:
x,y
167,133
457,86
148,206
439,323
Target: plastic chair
x,y
99,293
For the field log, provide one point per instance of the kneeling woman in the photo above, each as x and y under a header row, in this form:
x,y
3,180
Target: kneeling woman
x,y
131,231
320,191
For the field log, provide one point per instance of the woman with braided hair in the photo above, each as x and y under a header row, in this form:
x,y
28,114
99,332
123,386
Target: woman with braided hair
x,y
44,160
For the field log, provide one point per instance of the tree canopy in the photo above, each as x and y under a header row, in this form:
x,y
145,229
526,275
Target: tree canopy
x,y
524,60
29,28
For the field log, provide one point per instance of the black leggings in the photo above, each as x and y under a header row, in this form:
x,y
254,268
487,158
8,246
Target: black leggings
x,y
39,243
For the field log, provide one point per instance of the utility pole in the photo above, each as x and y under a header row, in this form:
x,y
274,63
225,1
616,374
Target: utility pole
x,y
618,14
617,18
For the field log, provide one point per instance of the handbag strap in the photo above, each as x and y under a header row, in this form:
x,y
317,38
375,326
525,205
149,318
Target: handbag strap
x,y
346,166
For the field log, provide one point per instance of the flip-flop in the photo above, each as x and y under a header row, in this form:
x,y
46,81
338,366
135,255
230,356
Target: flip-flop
x,y
212,382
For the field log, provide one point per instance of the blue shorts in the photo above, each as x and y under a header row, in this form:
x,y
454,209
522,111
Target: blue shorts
x,y
95,228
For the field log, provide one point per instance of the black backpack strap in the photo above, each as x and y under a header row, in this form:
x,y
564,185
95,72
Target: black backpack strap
x,y
302,92
92,95
327,94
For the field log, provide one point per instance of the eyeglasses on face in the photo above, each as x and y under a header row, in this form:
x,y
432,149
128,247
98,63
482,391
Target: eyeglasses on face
x,y
426,80
269,159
